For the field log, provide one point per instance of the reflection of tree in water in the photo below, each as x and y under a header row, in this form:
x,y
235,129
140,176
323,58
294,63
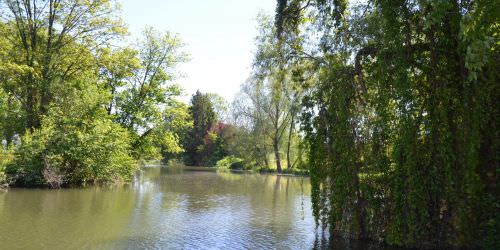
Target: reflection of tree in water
x,y
323,240
320,241
263,206
82,216
165,207
302,210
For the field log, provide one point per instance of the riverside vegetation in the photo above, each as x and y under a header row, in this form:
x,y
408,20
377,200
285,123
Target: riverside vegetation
x,y
401,119
79,106
74,108
391,106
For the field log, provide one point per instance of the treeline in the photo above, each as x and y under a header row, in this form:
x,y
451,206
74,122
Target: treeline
x,y
80,106
260,130
400,116
268,105
77,105
234,136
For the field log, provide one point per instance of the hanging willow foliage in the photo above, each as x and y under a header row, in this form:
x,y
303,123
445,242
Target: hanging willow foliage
x,y
402,123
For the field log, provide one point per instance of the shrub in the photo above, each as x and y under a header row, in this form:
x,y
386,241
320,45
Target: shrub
x,y
76,145
26,169
230,162
6,157
95,153
174,162
2,174
238,165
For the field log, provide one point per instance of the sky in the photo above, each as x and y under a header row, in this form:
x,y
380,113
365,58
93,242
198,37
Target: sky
x,y
219,37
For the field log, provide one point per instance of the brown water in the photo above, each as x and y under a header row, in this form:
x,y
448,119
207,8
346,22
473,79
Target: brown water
x,y
163,209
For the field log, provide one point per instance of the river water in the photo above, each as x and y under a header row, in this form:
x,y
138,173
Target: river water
x,y
164,208
168,208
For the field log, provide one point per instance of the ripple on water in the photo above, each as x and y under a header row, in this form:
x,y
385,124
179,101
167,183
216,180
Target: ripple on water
x,y
164,209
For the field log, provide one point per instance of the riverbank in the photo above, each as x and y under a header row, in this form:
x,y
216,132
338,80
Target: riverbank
x,y
284,172
291,172
260,170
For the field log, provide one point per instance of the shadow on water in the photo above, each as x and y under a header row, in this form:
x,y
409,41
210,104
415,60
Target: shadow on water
x,y
323,241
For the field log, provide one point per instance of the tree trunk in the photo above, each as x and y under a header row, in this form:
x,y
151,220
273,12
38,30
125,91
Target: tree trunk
x,y
360,205
266,160
290,131
277,155
31,119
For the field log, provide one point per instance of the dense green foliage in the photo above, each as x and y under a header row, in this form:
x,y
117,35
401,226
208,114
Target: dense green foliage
x,y
391,105
75,145
5,159
268,104
140,103
200,141
75,108
210,138
402,119
230,162
78,106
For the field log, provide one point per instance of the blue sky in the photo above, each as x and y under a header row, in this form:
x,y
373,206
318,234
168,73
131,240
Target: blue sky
x,y
219,36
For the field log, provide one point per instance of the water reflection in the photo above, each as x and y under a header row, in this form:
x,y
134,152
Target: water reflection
x,y
163,208
166,208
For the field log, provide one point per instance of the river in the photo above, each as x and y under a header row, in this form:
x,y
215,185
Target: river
x,y
166,208
163,208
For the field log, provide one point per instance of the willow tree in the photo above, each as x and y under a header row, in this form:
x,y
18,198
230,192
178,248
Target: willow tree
x,y
401,122
272,92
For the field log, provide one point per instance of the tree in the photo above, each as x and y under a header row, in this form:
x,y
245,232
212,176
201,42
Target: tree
x,y
139,102
11,119
77,144
203,119
177,124
220,107
116,68
251,144
398,122
271,93
75,107
51,42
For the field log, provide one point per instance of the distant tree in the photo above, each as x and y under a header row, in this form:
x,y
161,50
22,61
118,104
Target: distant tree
x,y
220,106
270,98
177,125
204,117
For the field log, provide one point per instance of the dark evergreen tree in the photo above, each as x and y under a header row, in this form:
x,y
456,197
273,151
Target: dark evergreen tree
x,y
203,116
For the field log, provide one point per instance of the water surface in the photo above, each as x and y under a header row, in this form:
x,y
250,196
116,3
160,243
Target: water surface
x,y
164,208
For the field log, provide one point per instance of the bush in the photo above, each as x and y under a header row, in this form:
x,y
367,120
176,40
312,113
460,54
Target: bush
x,y
2,174
26,169
6,157
174,162
289,171
230,162
296,171
238,165
96,153
74,146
